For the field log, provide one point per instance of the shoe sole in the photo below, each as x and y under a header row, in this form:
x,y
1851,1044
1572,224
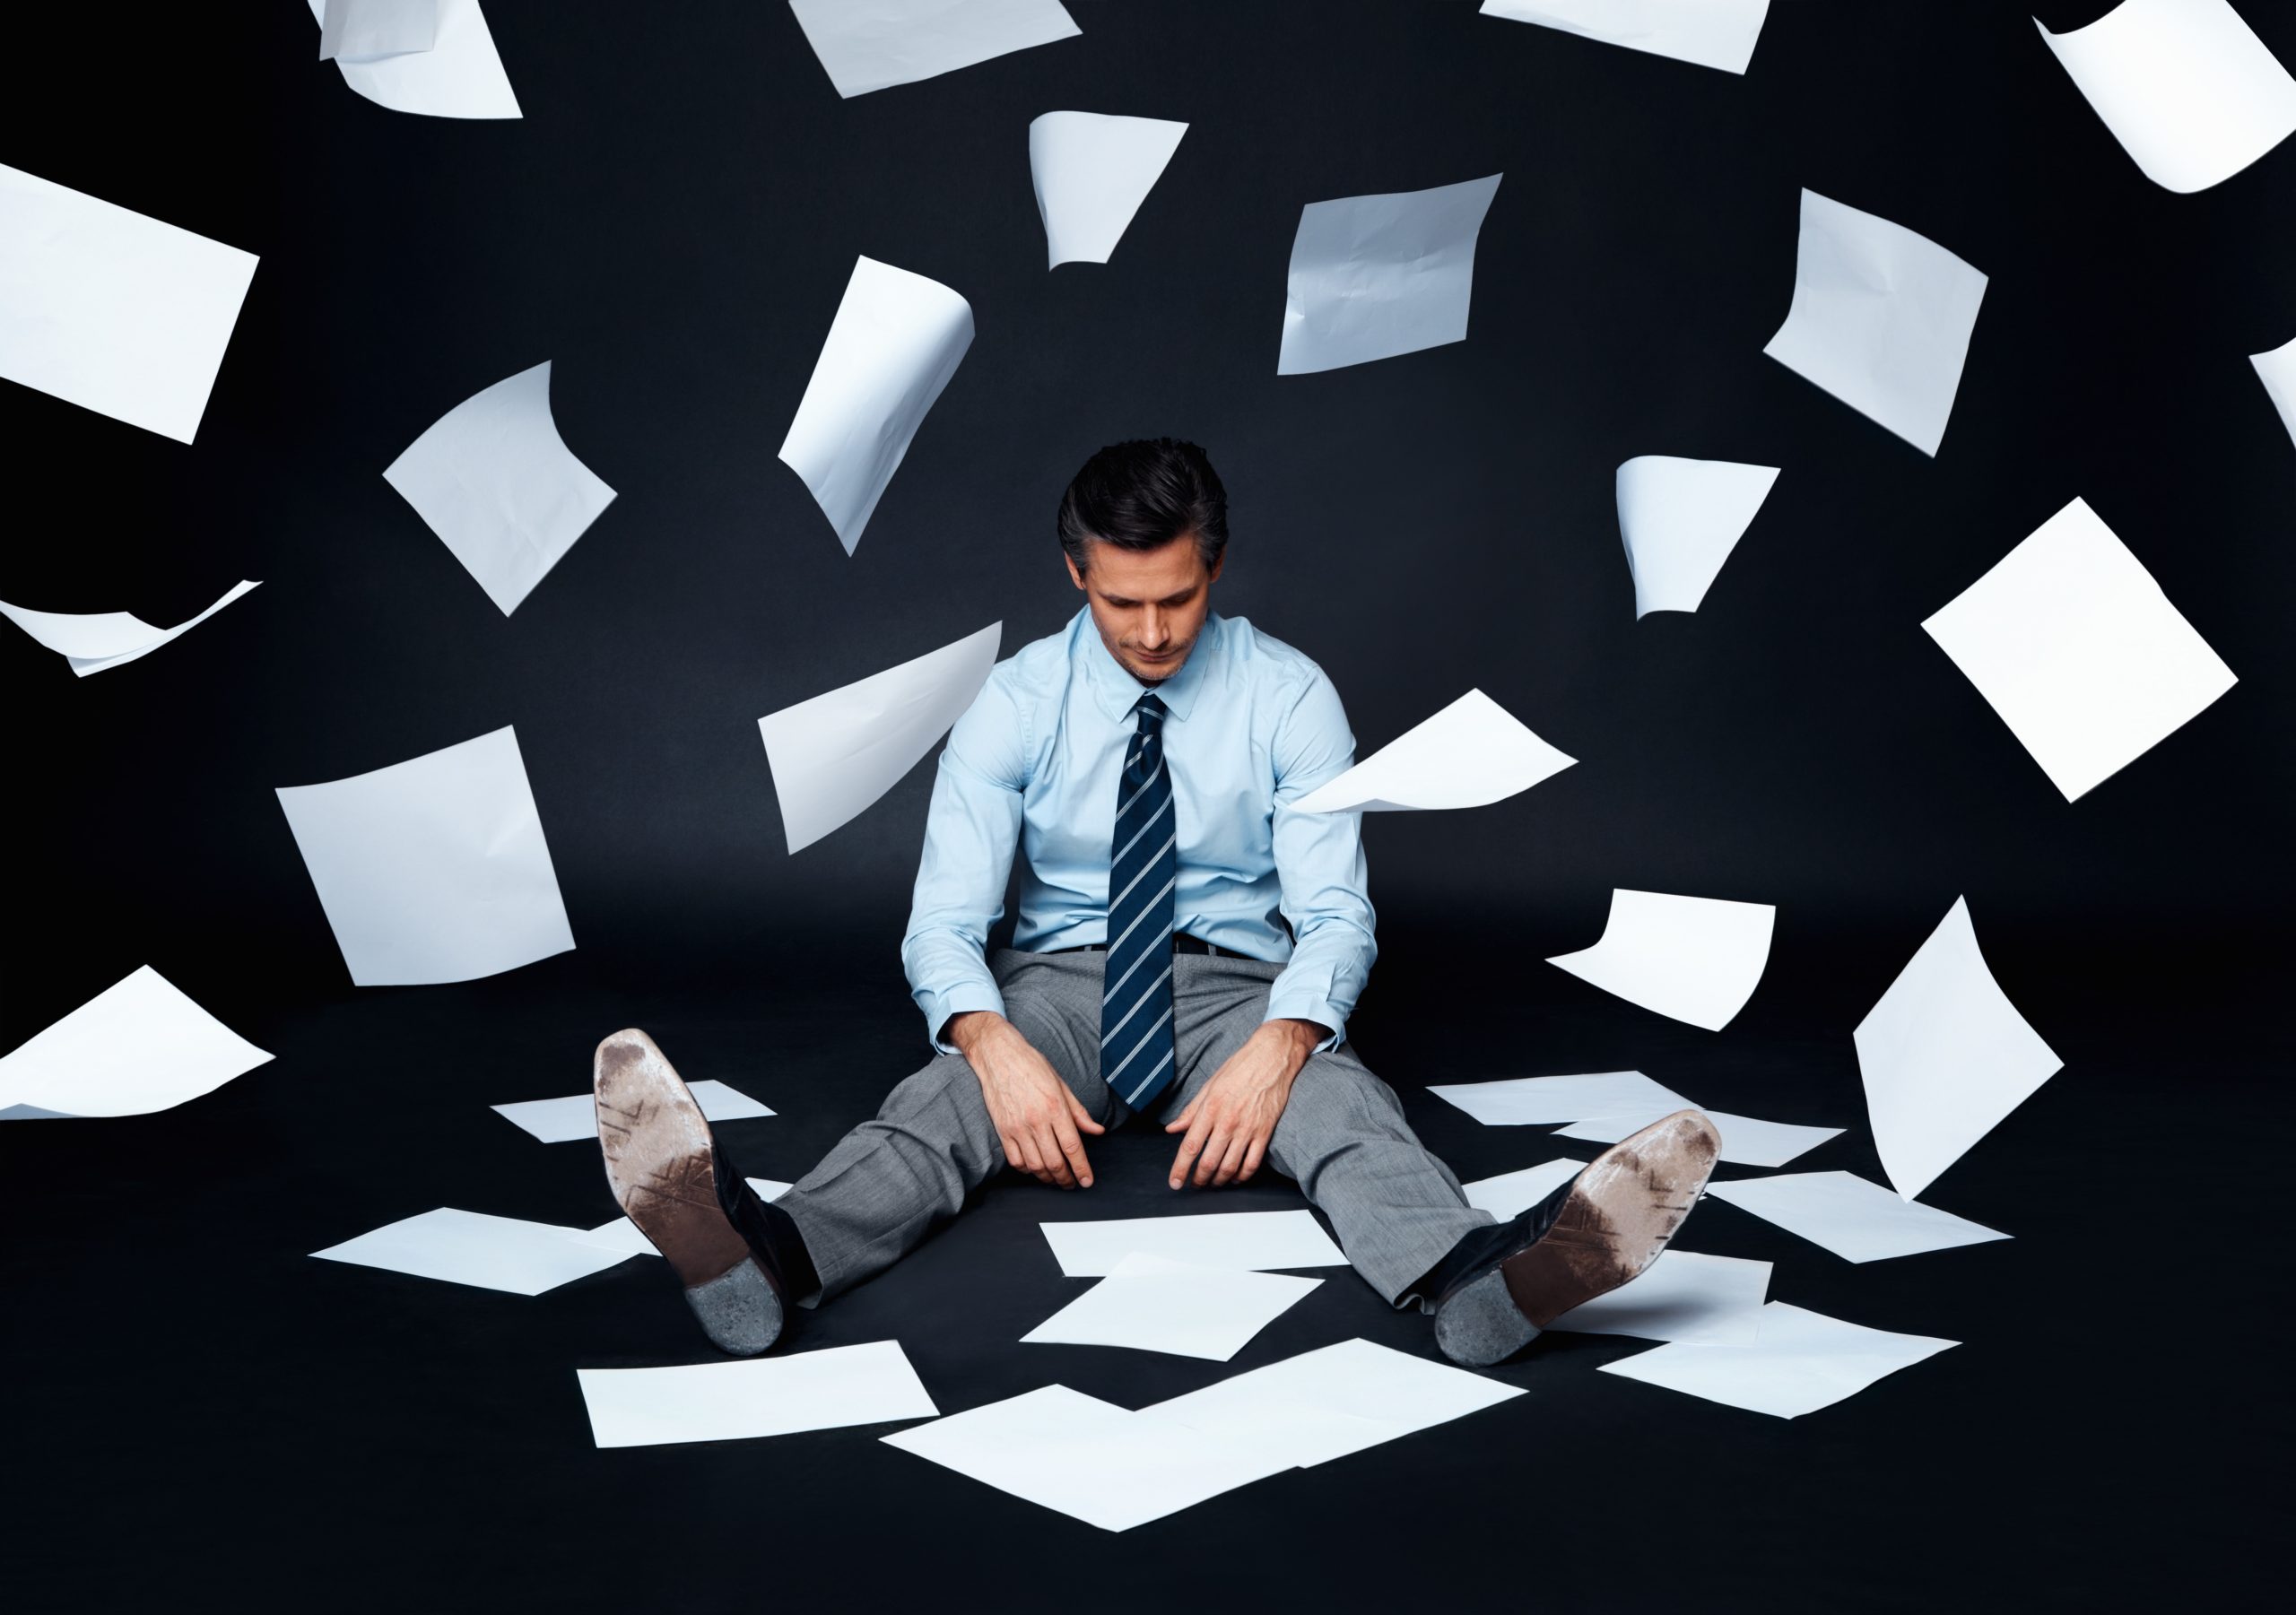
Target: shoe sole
x,y
659,1160
1618,1215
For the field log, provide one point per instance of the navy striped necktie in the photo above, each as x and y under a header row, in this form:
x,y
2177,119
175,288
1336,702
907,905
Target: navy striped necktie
x,y
1144,867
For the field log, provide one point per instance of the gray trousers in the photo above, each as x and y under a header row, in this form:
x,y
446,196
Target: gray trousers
x,y
1396,1209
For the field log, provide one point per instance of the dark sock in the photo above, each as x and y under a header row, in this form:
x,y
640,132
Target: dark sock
x,y
770,1232
1483,1248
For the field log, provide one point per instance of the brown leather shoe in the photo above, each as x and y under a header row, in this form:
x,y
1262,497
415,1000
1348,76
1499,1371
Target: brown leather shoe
x,y
1507,1282
661,1163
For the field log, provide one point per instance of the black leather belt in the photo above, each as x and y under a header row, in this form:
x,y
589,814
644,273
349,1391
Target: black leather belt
x,y
1182,942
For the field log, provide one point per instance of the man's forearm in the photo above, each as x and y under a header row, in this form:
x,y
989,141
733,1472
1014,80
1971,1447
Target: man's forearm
x,y
966,1027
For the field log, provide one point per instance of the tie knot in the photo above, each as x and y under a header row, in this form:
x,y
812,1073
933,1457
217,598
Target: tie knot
x,y
1151,709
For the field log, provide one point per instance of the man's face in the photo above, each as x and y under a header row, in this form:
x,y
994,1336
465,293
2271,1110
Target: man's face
x,y
1148,604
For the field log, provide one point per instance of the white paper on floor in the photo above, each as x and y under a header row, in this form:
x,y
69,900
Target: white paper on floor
x,y
91,641
1154,1304
562,1121
495,481
459,77
1857,1220
1680,520
359,29
1711,33
1534,1100
1375,276
470,1248
834,755
1881,318
828,1389
1746,1141
1334,1401
1471,754
1510,1193
2277,371
1804,1361
110,310
2185,86
625,1235
139,1046
1086,1458
1683,1296
433,869
1944,1056
896,339
2072,643
1694,959
1253,1240
1091,171
866,44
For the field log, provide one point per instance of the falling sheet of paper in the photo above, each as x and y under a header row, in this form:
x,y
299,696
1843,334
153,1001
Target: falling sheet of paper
x,y
896,339
1944,1056
1093,171
625,1235
1375,276
110,310
563,1121
2075,647
433,869
470,1248
1337,1399
834,755
91,641
459,77
1471,754
357,30
823,1390
2277,371
1681,520
138,1046
1712,33
866,45
1881,318
1511,1193
1857,1220
1151,1304
2185,86
1694,959
1746,1141
1683,1296
1253,1240
494,481
1804,1361
1545,1100
1088,1459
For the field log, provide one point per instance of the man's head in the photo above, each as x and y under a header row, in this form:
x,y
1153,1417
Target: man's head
x,y
1144,526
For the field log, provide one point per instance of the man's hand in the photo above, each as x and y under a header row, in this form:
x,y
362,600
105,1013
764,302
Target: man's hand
x,y
1035,1113
1232,1116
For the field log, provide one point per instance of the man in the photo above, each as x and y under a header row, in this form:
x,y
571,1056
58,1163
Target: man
x,y
1188,948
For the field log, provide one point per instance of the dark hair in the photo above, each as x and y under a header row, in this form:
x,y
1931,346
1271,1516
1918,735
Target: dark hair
x,y
1141,495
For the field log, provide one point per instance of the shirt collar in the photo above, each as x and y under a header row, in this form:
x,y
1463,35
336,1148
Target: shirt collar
x,y
1117,691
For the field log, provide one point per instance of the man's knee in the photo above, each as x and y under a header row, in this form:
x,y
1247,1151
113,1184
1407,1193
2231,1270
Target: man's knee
x,y
946,1080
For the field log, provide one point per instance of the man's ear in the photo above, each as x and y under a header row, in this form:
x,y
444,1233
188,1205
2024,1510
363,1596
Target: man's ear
x,y
1070,562
1217,563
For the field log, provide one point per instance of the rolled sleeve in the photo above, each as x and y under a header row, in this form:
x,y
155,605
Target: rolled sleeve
x,y
971,836
1321,870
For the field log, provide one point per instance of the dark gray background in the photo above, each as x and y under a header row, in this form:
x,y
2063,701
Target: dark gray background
x,y
672,223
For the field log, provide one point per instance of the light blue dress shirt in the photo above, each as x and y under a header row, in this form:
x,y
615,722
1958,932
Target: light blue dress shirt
x,y
1253,725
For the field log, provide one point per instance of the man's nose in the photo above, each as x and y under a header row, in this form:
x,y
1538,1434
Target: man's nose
x,y
1152,629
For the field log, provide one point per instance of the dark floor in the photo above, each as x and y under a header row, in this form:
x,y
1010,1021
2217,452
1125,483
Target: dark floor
x,y
205,1418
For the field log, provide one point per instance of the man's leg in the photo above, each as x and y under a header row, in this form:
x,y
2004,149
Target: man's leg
x,y
885,1185
1396,1209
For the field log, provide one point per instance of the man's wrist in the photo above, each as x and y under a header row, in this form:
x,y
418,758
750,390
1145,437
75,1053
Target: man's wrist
x,y
966,1027
1302,1037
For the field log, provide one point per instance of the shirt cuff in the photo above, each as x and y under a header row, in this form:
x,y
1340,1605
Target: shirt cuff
x,y
965,996
1309,1008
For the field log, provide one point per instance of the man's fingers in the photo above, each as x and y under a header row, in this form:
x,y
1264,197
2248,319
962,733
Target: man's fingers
x,y
1214,1147
1187,1116
1084,1116
1231,1161
1252,1158
1189,1146
1049,1149
1072,1148
1013,1153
